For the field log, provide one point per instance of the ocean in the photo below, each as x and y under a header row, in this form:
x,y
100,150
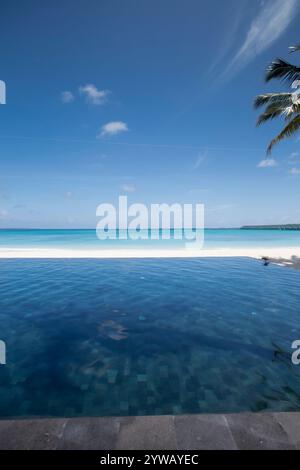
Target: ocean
x,y
87,239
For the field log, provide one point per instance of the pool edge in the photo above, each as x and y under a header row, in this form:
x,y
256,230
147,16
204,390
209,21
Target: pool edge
x,y
240,431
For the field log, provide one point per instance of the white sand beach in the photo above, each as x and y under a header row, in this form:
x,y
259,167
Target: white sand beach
x,y
282,255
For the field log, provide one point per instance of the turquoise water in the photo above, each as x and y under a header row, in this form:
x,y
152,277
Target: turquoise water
x,y
87,239
138,337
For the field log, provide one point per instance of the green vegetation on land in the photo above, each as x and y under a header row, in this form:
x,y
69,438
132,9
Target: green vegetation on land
x,y
271,227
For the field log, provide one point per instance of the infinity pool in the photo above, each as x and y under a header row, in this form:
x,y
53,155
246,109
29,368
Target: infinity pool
x,y
138,337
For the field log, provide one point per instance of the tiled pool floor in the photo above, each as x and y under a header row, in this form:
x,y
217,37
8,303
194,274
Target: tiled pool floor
x,y
147,337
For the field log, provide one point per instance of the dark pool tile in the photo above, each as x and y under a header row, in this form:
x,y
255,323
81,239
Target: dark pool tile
x,y
31,434
90,434
290,422
258,431
207,432
147,432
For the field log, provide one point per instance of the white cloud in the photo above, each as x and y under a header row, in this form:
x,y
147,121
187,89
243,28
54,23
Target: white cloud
x,y
294,171
3,213
267,163
294,158
67,97
128,188
93,95
113,128
271,22
200,159
68,194
227,42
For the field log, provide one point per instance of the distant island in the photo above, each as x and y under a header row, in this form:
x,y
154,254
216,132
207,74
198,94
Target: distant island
x,y
271,227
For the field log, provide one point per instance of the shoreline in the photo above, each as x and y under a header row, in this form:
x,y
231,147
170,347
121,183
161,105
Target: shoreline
x,y
283,255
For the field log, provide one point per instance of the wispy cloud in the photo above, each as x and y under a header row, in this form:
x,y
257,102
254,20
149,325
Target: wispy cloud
x,y
128,188
3,214
200,159
93,95
294,158
267,163
294,171
228,40
67,97
113,128
270,23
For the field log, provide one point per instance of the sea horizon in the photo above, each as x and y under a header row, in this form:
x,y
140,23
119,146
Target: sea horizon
x,y
169,240
241,227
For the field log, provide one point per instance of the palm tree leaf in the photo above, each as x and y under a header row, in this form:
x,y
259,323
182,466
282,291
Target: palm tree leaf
x,y
290,115
294,48
281,69
283,99
292,127
267,116
273,110
286,105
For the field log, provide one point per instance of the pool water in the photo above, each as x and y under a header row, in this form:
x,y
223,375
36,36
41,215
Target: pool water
x,y
139,337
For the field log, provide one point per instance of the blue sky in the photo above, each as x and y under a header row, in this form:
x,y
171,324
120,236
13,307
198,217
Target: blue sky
x,y
152,99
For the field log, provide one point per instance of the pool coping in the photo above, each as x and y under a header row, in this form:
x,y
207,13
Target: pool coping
x,y
284,253
241,431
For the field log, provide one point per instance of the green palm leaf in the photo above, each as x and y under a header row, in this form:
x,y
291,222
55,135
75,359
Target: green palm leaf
x,y
273,110
271,113
286,105
281,69
292,127
280,99
294,48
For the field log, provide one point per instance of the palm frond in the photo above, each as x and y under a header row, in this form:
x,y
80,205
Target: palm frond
x,y
285,105
275,110
281,69
292,127
271,112
289,114
290,111
283,99
294,48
